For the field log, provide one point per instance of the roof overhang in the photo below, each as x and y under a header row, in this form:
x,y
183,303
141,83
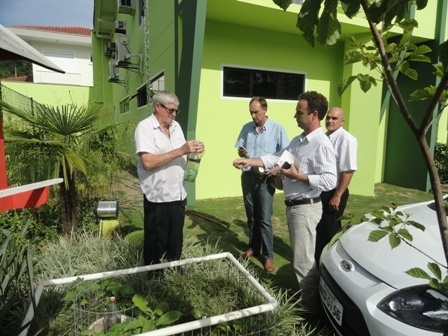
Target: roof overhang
x,y
13,47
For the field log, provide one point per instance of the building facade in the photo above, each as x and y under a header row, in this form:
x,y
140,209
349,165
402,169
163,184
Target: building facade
x,y
215,55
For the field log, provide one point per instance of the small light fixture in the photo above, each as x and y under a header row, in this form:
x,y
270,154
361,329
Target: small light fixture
x,y
106,209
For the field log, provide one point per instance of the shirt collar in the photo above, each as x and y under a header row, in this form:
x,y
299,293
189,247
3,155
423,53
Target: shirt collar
x,y
309,137
333,134
156,124
265,126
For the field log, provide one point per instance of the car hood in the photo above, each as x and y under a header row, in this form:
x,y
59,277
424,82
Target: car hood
x,y
389,264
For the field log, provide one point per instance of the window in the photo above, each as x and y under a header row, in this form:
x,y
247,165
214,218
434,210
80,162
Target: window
x,y
240,82
158,82
142,96
65,59
299,2
124,105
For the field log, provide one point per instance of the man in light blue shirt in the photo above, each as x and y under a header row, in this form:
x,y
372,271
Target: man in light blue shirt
x,y
259,137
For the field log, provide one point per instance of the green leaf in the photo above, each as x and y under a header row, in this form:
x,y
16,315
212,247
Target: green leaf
x,y
283,4
376,220
394,241
406,69
308,18
365,82
376,11
435,269
168,318
163,306
439,70
420,94
419,273
345,84
197,314
351,7
404,40
405,234
421,4
353,56
434,283
416,225
328,27
418,55
141,303
376,235
149,325
380,213
408,25
69,296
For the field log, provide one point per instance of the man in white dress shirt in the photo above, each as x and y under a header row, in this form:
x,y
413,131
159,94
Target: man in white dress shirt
x,y
315,172
162,152
335,201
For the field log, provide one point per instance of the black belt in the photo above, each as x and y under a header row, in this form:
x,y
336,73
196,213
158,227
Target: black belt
x,y
302,201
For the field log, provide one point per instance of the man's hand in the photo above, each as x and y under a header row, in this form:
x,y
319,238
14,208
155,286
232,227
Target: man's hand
x,y
192,146
239,163
274,171
293,174
242,152
334,203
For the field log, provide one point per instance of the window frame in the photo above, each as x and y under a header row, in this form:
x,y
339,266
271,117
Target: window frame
x,y
260,69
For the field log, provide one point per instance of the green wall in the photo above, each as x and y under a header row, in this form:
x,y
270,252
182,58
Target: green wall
x,y
404,164
54,95
220,118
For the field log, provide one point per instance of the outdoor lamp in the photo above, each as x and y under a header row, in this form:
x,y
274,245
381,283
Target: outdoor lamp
x,y
106,209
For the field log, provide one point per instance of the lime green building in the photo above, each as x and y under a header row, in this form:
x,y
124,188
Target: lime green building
x,y
216,54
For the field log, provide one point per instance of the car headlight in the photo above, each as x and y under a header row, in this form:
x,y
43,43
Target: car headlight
x,y
421,307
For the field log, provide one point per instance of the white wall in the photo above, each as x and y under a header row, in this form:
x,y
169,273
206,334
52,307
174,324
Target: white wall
x,y
68,51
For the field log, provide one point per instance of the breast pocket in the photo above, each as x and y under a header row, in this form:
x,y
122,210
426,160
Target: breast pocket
x,y
304,164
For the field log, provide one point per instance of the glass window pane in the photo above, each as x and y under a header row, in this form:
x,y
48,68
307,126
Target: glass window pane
x,y
265,84
236,82
290,86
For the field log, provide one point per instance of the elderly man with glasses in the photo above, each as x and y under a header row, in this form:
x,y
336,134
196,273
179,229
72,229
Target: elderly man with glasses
x,y
162,152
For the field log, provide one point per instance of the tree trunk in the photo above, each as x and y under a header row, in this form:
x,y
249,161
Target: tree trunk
x,y
69,203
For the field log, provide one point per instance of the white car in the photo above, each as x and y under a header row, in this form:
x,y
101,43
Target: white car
x,y
364,288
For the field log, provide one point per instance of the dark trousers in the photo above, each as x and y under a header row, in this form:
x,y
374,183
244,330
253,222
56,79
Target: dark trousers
x,y
163,226
329,224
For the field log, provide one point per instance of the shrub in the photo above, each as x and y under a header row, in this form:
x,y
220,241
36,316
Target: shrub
x,y
441,161
16,268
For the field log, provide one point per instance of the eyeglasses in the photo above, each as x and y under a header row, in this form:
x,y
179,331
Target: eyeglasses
x,y
170,111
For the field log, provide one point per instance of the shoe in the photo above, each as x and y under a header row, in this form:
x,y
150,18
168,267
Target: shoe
x,y
269,265
248,254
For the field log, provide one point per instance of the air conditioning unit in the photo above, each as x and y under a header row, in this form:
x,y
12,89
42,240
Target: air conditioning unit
x,y
120,27
123,50
113,71
125,6
110,48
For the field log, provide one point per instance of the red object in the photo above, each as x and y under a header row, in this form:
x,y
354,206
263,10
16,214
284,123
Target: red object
x,y
26,199
27,196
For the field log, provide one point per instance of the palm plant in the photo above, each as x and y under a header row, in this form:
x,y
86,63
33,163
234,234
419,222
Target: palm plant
x,y
57,140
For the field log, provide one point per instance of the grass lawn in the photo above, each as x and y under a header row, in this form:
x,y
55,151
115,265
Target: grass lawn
x,y
223,222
